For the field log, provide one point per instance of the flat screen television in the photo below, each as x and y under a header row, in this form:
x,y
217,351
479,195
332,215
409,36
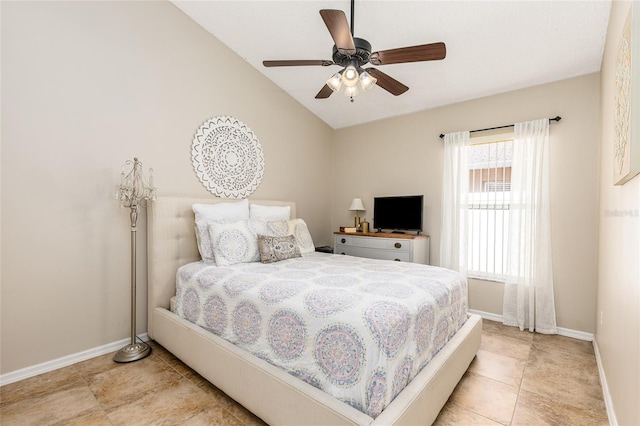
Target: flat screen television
x,y
400,213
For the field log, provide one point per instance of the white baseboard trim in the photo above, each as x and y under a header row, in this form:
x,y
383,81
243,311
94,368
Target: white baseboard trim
x,y
581,335
605,387
567,332
487,315
25,373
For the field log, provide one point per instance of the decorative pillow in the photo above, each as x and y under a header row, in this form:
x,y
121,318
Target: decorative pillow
x,y
259,227
269,213
233,242
296,227
274,249
206,213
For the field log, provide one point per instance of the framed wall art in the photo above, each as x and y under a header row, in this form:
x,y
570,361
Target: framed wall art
x,y
227,157
626,144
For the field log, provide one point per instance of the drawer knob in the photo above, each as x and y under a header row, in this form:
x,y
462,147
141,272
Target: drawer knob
x,y
397,245
397,260
343,240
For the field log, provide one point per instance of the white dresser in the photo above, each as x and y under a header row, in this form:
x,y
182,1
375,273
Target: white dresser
x,y
399,247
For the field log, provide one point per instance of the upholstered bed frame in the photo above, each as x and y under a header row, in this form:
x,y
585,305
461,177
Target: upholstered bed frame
x,y
269,392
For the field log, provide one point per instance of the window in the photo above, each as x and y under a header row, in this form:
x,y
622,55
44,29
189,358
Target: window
x,y
489,198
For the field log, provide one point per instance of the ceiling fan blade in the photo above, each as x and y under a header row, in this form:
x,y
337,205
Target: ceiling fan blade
x,y
336,22
297,63
423,52
389,84
324,93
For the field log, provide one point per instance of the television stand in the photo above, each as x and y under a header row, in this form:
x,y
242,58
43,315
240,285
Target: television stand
x,y
398,232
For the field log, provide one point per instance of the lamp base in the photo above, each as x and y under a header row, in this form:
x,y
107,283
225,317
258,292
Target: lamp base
x,y
132,352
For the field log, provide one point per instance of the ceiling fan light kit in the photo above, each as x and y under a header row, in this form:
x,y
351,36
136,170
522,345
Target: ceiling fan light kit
x,y
352,53
350,77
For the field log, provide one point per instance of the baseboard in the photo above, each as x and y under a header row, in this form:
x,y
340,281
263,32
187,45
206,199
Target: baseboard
x,y
567,332
487,315
581,335
65,361
605,387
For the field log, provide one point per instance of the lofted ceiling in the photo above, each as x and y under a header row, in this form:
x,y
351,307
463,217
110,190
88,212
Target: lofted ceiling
x,y
492,47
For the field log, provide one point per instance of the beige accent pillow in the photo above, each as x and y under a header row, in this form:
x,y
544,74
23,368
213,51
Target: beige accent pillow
x,y
274,249
297,228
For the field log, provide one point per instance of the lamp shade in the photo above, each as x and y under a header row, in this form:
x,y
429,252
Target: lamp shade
x,y
351,91
350,76
366,81
335,82
357,205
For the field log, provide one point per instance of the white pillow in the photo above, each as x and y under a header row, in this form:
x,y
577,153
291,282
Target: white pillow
x,y
233,242
259,227
206,213
269,213
296,227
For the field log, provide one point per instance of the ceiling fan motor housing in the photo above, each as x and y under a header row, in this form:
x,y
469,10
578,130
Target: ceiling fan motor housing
x,y
363,50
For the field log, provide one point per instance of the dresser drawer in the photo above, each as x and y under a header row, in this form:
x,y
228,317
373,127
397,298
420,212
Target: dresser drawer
x,y
375,243
373,253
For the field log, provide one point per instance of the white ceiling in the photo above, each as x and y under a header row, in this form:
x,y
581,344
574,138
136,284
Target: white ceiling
x,y
492,47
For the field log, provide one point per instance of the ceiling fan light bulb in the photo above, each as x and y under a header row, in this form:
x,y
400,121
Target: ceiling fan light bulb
x,y
366,81
335,82
350,76
351,91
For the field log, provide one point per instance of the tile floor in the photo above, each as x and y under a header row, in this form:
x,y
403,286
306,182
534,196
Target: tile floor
x,y
517,378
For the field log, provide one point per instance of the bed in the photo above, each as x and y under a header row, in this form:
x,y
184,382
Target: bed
x,y
272,394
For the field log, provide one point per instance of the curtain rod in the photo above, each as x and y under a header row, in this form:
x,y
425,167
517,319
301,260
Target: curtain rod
x,y
556,118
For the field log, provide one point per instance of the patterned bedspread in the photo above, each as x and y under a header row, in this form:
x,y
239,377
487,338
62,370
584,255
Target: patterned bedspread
x,y
359,329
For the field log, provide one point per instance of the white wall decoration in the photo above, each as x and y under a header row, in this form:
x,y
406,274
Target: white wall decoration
x,y
227,157
626,146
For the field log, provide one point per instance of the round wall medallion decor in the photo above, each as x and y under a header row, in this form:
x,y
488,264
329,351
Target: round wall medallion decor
x,y
227,157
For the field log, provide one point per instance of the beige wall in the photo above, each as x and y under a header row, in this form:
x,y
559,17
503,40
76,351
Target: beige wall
x,y
618,297
86,86
403,155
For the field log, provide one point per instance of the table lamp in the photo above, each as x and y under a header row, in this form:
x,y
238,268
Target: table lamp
x,y
357,206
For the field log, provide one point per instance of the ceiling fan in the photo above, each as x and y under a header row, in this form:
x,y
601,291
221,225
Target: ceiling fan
x,y
352,53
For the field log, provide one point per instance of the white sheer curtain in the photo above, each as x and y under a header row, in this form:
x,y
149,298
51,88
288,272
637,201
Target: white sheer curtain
x,y
528,292
455,193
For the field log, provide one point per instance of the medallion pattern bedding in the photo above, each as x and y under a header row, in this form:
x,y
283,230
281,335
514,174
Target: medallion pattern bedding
x,y
359,329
